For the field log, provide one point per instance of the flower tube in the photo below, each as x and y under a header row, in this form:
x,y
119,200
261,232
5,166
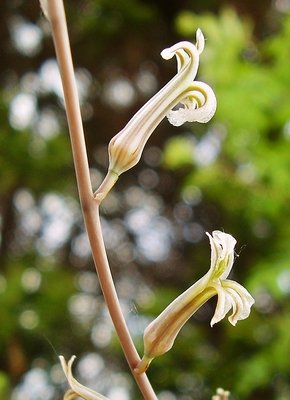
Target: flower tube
x,y
160,334
196,102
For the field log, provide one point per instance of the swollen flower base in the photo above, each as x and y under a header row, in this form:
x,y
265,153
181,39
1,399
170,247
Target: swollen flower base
x,y
159,336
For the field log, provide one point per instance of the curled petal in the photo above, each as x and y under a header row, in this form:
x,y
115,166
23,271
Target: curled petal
x,y
224,304
238,306
199,105
244,304
185,51
187,56
182,57
77,388
232,295
227,242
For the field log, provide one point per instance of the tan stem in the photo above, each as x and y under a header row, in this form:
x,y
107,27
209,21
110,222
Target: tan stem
x,y
90,205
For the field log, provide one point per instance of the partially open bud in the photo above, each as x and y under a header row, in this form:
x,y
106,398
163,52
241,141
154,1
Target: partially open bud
x,y
196,100
160,334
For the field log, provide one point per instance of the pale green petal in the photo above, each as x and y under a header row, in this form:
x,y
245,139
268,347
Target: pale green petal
x,y
227,245
232,295
246,299
222,254
224,304
215,251
237,305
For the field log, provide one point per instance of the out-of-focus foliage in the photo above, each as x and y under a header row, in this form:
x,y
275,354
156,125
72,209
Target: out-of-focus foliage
x,y
231,174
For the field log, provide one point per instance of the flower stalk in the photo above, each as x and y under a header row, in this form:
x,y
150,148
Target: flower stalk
x,y
54,10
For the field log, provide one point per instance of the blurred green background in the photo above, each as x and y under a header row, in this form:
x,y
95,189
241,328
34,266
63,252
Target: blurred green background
x,y
231,174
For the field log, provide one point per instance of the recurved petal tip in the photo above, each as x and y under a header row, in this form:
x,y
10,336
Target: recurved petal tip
x,y
77,389
232,295
166,54
66,366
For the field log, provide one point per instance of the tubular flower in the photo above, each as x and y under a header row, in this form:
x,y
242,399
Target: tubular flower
x,y
196,102
160,334
77,390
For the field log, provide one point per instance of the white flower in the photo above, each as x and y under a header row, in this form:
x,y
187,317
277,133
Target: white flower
x,y
196,101
77,389
159,336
